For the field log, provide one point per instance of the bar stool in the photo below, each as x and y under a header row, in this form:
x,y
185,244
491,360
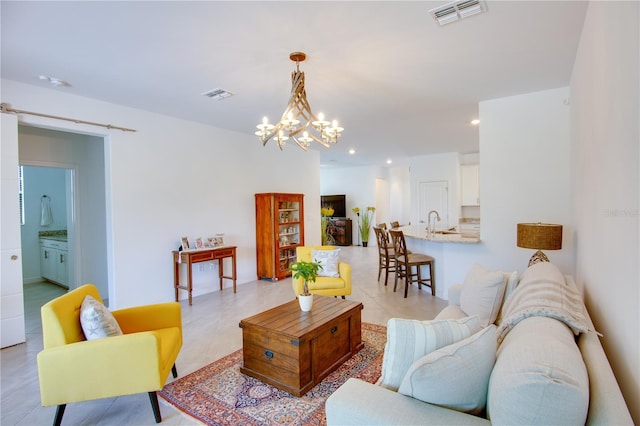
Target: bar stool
x,y
386,255
405,261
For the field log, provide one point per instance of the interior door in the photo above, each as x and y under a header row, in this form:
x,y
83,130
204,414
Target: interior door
x,y
12,312
434,196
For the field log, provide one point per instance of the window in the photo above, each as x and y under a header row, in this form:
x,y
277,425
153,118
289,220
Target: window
x,y
21,193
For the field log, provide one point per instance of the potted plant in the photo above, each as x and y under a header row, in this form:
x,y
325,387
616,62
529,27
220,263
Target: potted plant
x,y
308,271
364,223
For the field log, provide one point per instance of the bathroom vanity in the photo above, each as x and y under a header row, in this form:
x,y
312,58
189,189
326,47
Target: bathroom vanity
x,y
54,257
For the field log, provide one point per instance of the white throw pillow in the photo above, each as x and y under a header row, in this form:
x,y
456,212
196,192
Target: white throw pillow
x,y
329,259
409,340
456,376
482,293
96,320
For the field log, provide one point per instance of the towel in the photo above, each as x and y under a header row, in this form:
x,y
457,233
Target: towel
x,y
46,216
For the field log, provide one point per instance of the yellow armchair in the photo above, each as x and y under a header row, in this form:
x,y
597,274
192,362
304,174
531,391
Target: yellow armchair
x,y
73,369
324,286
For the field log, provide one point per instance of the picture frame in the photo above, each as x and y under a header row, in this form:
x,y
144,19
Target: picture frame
x,y
217,241
199,243
185,243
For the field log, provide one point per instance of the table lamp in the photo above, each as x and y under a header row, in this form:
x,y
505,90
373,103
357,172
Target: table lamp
x,y
539,236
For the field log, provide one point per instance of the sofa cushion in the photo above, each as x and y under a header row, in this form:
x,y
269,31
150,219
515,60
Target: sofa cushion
x,y
539,376
329,260
408,340
455,376
482,293
96,320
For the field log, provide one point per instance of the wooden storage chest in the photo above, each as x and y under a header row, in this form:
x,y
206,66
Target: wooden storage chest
x,y
294,350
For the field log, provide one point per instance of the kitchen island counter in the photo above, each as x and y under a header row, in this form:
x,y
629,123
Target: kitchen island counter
x,y
419,232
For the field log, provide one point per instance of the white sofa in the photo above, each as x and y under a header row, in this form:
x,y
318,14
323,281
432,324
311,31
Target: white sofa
x,y
543,374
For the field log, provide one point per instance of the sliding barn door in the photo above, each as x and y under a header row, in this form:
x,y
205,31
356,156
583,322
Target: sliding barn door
x,y
12,312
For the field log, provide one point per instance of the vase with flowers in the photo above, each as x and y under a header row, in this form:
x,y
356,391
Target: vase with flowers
x,y
325,213
364,222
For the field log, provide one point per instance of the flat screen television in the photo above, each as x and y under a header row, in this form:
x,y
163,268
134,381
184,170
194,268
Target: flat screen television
x,y
338,202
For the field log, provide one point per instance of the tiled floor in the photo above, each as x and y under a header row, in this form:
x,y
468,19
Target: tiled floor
x,y
210,328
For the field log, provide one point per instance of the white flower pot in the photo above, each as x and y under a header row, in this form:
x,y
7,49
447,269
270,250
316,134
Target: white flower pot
x,y
305,302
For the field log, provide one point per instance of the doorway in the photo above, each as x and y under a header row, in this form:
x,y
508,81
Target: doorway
x,y
47,211
79,205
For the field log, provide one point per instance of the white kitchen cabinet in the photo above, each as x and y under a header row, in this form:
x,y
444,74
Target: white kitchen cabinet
x,y
53,261
470,176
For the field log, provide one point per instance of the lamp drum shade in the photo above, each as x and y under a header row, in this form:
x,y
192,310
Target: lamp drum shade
x,y
541,236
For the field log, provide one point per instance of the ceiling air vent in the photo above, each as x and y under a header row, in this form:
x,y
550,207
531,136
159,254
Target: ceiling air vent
x,y
457,10
218,94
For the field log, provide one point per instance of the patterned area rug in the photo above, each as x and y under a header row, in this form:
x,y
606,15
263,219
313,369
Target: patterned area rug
x,y
219,394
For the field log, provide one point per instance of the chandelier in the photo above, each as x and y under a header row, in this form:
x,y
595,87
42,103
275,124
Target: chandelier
x,y
298,122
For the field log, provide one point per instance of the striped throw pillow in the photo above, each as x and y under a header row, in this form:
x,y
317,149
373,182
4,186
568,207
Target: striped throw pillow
x,y
409,340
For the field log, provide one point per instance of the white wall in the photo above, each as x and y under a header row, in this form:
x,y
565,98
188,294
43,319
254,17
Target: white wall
x,y
524,174
605,134
173,178
400,194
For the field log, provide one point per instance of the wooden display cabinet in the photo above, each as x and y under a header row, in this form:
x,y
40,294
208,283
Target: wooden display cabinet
x,y
279,230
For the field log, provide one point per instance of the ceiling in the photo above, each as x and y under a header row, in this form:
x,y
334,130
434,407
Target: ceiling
x,y
400,84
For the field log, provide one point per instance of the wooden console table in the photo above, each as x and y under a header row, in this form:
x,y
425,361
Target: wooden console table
x,y
189,257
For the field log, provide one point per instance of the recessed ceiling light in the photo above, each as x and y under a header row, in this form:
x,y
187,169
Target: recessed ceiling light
x,y
352,151
389,161
475,122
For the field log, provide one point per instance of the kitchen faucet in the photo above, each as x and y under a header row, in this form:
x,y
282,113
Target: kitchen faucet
x,y
431,229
